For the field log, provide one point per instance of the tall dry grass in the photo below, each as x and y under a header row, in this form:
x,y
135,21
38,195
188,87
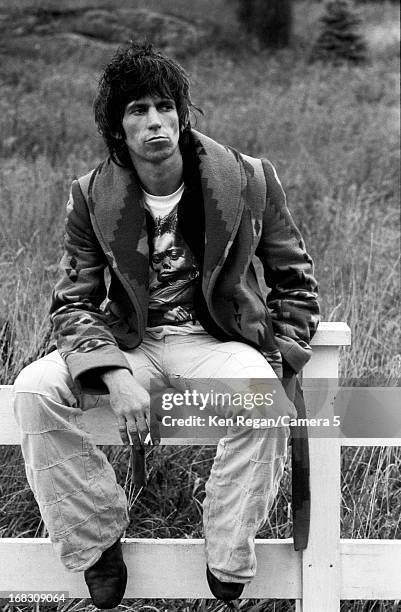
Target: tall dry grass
x,y
333,136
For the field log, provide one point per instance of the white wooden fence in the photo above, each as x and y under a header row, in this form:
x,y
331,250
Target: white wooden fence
x,y
329,570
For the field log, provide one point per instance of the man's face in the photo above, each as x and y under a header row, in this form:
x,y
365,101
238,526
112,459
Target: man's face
x,y
151,129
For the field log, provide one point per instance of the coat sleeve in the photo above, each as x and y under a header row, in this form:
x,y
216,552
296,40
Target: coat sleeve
x,y
83,336
289,272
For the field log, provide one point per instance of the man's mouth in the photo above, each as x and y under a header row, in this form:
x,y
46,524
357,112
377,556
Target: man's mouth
x,y
157,139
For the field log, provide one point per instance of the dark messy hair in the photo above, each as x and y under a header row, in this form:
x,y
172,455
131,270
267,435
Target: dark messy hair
x,y
134,72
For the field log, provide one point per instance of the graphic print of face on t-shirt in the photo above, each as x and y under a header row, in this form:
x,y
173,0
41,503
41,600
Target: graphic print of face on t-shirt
x,y
173,275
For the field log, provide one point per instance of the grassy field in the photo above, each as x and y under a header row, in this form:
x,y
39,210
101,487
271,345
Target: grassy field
x,y
332,132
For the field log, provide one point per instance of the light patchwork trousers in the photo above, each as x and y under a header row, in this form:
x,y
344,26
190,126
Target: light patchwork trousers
x,y
83,507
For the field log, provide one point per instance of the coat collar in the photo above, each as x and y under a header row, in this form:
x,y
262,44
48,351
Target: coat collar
x,y
222,181
120,224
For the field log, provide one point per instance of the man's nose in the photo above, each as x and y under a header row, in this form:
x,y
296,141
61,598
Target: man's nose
x,y
153,119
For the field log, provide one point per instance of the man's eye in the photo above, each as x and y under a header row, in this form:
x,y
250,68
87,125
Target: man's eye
x,y
167,106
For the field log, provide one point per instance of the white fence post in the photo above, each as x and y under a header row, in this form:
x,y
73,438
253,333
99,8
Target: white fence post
x,y
321,572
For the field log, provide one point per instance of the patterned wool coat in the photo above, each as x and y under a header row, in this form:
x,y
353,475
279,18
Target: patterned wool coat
x,y
245,215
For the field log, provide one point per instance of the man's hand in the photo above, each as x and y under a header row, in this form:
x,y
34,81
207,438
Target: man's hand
x,y
130,403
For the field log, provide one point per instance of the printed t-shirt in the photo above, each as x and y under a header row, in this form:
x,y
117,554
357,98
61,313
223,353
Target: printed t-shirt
x,y
174,271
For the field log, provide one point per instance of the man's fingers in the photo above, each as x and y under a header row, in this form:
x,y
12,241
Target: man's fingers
x,y
135,434
122,428
131,428
142,427
138,430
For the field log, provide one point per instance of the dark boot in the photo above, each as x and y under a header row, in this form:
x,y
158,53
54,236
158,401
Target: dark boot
x,y
226,591
107,578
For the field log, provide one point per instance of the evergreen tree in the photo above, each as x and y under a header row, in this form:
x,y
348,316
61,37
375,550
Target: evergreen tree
x,y
269,20
340,38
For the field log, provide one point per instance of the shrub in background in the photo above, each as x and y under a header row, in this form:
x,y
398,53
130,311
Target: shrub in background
x,y
339,38
269,20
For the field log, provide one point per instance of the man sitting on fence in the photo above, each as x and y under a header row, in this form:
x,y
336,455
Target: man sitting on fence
x,y
157,289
